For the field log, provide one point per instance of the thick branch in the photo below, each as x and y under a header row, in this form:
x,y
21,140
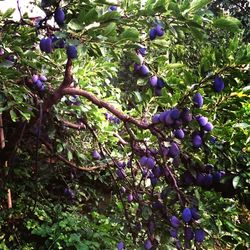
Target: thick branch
x,y
73,125
102,104
55,97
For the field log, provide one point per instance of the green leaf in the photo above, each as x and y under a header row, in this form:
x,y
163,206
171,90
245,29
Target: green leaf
x,y
174,65
70,155
8,13
236,181
13,116
75,25
196,5
131,34
110,30
112,15
88,17
228,23
242,125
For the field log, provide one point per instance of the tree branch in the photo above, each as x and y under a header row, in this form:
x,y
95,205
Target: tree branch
x,y
73,125
102,104
56,96
69,163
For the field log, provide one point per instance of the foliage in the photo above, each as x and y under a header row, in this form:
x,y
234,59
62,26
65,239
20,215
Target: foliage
x,y
93,154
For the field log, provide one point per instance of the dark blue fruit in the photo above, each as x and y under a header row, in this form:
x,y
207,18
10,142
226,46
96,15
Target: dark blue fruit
x,y
35,78
187,177
199,235
186,215
218,84
202,120
130,198
151,227
157,91
173,232
153,81
121,173
152,34
143,51
179,133
46,45
186,115
72,52
174,150
148,244
150,163
120,246
188,233
197,141
159,30
160,83
208,127
121,164
198,100
208,180
96,155
200,179
168,119
195,213
217,177
59,16
69,192
157,172
175,113
163,115
45,3
156,118
143,160
113,8
153,180
144,70
39,84
174,221
137,67
61,43
42,88
42,78
213,139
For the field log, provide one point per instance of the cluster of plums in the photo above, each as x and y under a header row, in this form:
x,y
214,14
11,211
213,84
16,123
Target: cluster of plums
x,y
178,119
188,216
207,178
48,44
142,69
39,81
156,31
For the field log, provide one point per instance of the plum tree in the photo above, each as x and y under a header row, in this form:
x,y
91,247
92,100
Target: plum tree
x,y
127,117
